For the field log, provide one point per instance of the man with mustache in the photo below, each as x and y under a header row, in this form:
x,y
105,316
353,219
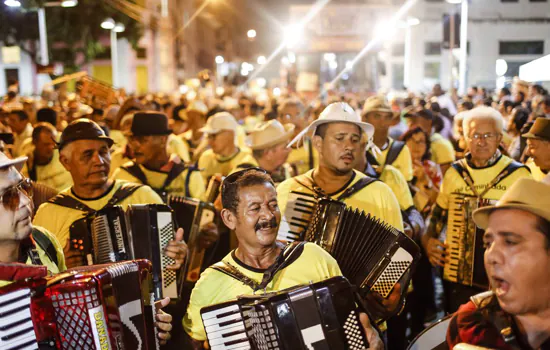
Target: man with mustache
x,y
483,173
250,209
515,314
21,242
538,143
84,152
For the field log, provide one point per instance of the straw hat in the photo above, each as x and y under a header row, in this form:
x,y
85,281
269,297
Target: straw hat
x,y
525,194
6,162
269,134
219,122
540,130
338,112
377,104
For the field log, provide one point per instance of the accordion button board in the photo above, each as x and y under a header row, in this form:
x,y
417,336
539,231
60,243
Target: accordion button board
x,y
16,326
296,218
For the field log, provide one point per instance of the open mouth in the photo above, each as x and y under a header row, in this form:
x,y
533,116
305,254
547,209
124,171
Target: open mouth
x,y
500,286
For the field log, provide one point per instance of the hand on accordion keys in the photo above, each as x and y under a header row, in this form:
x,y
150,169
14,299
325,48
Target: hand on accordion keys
x,y
163,321
177,250
208,235
381,305
435,251
375,343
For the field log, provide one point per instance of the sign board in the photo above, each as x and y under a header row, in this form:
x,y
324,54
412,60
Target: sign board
x,y
11,54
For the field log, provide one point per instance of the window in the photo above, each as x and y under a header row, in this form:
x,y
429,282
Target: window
x,y
432,48
398,49
398,70
141,52
513,68
521,47
431,70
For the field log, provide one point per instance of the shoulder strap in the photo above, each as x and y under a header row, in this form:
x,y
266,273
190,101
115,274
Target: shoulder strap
x,y
136,172
67,201
460,167
46,244
125,191
370,171
188,179
358,186
32,169
394,151
372,159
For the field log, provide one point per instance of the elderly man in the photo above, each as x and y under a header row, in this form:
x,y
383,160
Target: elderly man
x,y
19,122
250,209
152,165
484,173
21,242
43,165
538,143
223,155
515,313
268,143
395,153
84,152
304,157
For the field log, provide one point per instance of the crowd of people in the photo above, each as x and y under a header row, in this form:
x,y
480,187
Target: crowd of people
x,y
404,161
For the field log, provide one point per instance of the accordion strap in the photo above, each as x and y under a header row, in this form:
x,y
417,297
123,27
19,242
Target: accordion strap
x,y
176,170
47,246
310,184
287,256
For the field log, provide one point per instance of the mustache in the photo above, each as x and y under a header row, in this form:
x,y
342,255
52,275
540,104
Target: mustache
x,y
266,224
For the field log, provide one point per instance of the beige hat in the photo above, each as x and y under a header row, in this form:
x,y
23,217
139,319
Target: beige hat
x,y
6,162
197,106
525,194
338,112
269,134
219,122
377,104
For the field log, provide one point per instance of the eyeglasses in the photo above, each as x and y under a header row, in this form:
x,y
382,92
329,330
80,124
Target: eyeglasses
x,y
232,178
485,137
11,199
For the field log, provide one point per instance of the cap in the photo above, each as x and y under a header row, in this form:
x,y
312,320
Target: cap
x,y
82,129
219,122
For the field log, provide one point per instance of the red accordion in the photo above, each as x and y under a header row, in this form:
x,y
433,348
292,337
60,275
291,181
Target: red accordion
x,y
96,307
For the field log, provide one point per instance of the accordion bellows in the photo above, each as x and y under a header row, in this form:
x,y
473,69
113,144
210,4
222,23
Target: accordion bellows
x,y
321,315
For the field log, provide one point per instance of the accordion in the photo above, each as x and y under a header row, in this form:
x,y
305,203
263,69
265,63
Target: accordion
x,y
321,315
111,235
371,254
465,242
100,307
297,216
191,214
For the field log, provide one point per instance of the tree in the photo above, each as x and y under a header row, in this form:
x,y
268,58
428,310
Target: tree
x,y
73,33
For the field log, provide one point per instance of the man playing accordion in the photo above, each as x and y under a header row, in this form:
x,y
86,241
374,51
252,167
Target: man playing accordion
x,y
483,175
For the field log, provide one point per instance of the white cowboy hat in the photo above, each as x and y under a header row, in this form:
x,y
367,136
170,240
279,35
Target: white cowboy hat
x,y
6,162
269,134
338,112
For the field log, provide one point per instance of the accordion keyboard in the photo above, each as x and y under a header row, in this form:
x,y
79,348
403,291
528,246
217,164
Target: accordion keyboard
x,y
295,220
225,328
101,239
166,234
16,326
455,228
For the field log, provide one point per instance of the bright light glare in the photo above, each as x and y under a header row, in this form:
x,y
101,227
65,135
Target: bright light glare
x,y
69,3
12,3
245,66
285,60
261,60
413,21
220,91
244,72
291,57
333,64
454,1
385,30
329,56
277,92
293,35
191,95
251,33
119,28
219,59
108,24
349,65
261,82
501,67
184,89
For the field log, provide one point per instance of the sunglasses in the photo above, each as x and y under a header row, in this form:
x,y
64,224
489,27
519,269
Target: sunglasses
x,y
231,179
11,199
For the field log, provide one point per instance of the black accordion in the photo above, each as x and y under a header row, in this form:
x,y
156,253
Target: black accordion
x,y
190,214
100,307
321,315
374,256
143,232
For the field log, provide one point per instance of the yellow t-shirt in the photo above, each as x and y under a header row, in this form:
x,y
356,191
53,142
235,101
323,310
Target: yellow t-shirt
x,y
156,179
536,172
53,174
119,138
281,174
211,164
377,198
57,219
313,265
299,158
396,181
442,149
403,162
176,145
453,182
46,261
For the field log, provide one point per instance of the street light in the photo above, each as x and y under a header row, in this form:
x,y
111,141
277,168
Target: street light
x,y
69,3
110,24
219,59
12,3
251,34
261,60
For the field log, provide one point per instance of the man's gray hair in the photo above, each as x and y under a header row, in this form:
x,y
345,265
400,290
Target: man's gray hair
x,y
482,113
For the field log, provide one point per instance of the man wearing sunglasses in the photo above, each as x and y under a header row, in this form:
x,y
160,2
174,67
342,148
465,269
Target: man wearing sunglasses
x,y
484,173
260,262
84,152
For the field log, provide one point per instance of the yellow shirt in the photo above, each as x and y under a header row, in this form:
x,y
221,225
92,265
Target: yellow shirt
x,y
53,174
52,267
156,179
281,174
58,219
299,158
211,164
403,162
376,199
22,143
396,181
536,172
453,182
442,149
313,265
176,145
119,138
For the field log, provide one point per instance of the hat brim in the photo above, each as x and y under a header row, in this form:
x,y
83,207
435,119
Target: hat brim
x,y
209,131
17,163
289,131
366,127
165,133
533,136
481,215
381,110
109,141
